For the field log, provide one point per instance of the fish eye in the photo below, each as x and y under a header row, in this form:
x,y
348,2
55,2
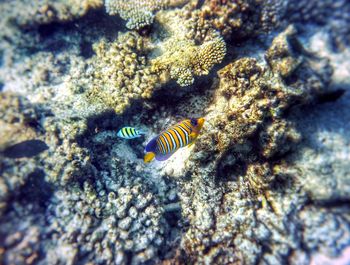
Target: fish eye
x,y
194,122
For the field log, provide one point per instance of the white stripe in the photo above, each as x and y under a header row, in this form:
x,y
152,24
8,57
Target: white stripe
x,y
173,140
167,144
186,134
161,145
178,137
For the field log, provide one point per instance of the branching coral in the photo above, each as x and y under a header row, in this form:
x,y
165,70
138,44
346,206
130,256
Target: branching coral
x,y
138,13
183,60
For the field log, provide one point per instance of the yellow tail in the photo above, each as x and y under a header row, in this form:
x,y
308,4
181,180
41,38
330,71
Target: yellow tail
x,y
149,157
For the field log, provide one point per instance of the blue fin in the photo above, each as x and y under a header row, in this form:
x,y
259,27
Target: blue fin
x,y
164,157
152,145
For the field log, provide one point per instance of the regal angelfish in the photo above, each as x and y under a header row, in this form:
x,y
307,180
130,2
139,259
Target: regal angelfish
x,y
168,142
129,133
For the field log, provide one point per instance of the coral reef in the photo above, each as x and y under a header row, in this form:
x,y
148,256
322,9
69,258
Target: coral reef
x,y
267,180
248,126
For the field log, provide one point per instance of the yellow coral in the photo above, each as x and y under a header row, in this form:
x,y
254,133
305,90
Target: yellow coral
x,y
183,60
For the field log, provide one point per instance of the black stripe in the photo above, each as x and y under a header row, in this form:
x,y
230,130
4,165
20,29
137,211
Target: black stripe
x,y
124,132
133,132
129,132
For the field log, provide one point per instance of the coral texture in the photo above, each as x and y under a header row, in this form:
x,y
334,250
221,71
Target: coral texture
x,y
266,182
183,60
119,73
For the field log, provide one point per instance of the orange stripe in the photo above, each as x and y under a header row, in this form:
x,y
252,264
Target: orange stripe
x,y
175,137
169,140
185,128
183,136
164,143
159,144
188,123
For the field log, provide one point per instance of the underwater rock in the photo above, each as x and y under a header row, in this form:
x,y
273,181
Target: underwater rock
x,y
26,13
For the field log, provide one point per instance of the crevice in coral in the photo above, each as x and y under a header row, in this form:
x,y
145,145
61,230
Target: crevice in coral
x,y
331,96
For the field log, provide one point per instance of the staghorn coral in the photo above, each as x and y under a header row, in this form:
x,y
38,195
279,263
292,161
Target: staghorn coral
x,y
183,60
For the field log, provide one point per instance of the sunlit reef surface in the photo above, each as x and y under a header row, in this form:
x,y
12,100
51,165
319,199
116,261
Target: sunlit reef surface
x,y
266,182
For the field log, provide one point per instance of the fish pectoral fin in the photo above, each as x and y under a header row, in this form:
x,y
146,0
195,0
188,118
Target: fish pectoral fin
x,y
193,136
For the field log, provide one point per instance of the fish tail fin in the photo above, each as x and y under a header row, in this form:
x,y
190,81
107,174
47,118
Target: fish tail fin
x,y
149,157
141,132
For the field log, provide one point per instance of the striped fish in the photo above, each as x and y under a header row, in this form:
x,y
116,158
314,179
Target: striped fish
x,y
168,142
129,133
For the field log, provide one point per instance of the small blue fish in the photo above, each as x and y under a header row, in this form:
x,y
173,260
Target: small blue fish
x,y
129,133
